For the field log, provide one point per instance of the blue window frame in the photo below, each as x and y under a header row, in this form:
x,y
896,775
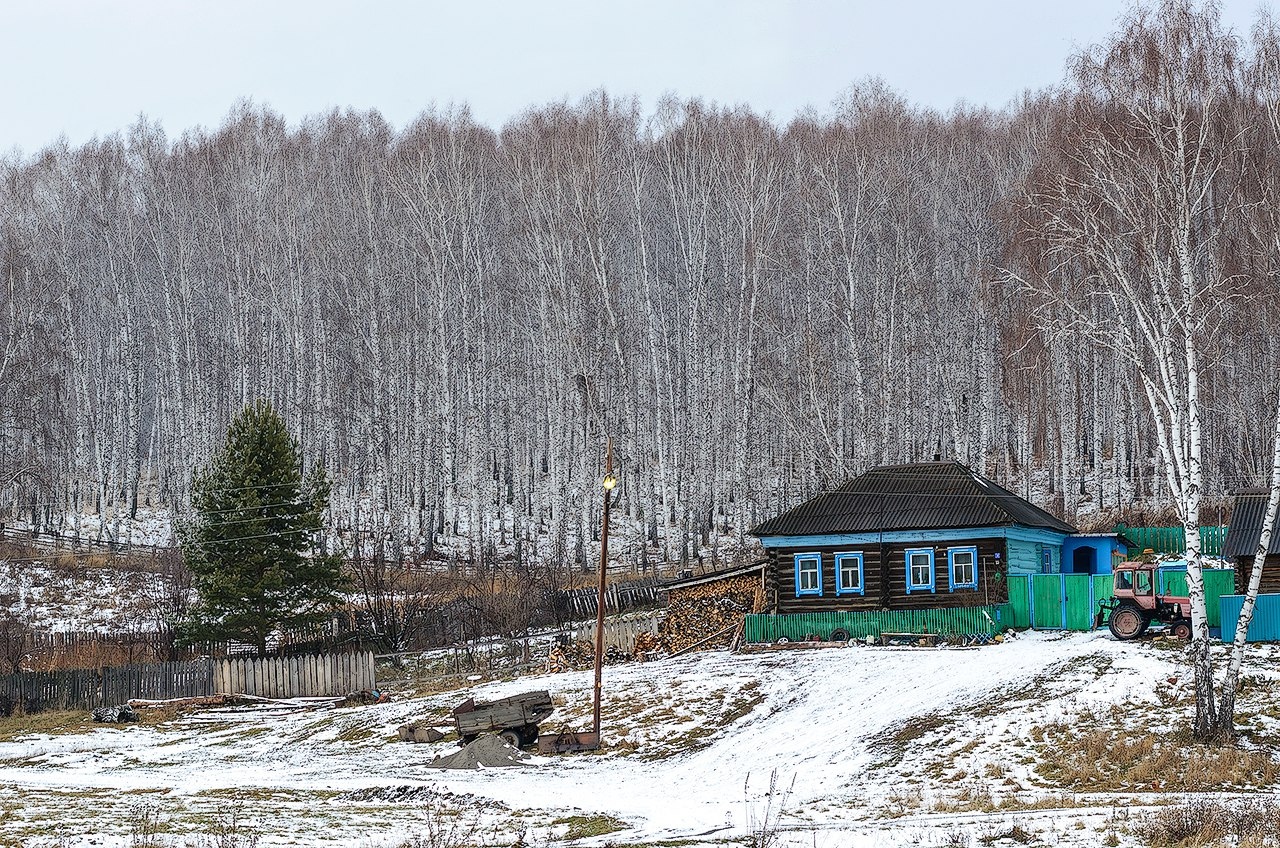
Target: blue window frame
x,y
849,574
962,564
808,574
919,565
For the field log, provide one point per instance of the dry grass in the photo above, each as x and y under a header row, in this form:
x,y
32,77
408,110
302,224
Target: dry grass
x,y
1206,823
1114,760
53,722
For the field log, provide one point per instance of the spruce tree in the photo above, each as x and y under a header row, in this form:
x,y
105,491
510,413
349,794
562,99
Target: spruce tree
x,y
253,545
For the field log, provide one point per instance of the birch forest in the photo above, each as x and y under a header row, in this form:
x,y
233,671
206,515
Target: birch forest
x,y
454,317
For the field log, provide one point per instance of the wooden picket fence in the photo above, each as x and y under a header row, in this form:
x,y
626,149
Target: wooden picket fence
x,y
621,633
315,675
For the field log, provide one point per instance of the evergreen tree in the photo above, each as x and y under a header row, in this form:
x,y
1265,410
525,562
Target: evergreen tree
x,y
253,546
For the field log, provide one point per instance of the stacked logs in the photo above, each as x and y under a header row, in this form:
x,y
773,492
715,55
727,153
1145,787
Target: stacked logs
x,y
648,645
580,655
696,613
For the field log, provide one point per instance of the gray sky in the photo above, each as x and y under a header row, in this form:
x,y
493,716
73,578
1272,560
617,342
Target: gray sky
x,y
89,68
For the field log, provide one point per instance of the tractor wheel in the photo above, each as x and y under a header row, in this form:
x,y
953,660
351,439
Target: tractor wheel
x,y
1127,622
1181,629
839,635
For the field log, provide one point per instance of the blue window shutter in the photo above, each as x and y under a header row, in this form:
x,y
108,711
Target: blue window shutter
x,y
808,565
843,563
921,586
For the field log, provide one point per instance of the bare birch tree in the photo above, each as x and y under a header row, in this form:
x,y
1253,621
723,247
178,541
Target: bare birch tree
x,y
1138,217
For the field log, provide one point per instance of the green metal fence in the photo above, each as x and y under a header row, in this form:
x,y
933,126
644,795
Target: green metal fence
x,y
1070,601
1173,540
965,621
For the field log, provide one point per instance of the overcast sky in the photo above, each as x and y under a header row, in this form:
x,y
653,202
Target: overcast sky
x,y
89,68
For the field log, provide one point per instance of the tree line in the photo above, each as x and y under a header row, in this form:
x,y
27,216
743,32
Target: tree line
x,y
452,318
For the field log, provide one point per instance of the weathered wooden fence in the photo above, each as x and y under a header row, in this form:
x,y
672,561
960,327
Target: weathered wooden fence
x,y
620,633
157,681
51,651
581,603
33,691
317,675
54,541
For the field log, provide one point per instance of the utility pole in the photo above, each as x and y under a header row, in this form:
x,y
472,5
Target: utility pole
x,y
609,482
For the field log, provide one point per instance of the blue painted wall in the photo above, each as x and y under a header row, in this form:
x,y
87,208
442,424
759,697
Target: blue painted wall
x,y
1028,557
1104,552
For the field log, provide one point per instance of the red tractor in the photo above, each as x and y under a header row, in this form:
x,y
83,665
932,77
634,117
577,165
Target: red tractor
x,y
1136,604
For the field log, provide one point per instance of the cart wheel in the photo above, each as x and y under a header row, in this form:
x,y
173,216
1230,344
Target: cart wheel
x,y
511,737
1180,629
468,739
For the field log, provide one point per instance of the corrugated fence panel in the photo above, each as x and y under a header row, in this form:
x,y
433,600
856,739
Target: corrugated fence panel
x,y
1265,626
1046,602
1078,601
1217,582
1079,595
1020,601
951,621
1103,586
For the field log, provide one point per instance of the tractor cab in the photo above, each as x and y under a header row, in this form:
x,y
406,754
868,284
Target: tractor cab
x,y
1136,580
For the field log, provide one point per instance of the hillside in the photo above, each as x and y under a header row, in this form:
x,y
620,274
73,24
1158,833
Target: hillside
x,y
1042,736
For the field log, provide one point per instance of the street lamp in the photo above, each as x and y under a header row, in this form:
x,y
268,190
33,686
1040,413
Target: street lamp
x,y
608,484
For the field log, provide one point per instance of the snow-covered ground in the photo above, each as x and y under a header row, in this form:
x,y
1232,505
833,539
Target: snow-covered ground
x,y
868,746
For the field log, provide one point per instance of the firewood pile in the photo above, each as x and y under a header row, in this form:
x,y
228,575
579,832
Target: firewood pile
x,y
648,645
582,654
698,612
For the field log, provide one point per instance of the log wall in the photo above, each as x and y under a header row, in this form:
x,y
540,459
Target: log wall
x,y
884,576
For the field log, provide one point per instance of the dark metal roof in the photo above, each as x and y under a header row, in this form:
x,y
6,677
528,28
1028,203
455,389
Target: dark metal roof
x,y
1247,512
921,496
722,574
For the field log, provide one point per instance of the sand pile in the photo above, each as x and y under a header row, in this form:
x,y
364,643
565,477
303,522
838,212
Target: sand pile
x,y
485,752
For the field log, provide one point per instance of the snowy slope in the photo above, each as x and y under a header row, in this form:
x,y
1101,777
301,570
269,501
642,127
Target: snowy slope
x,y
872,743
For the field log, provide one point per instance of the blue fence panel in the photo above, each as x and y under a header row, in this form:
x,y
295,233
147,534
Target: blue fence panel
x,y
1265,626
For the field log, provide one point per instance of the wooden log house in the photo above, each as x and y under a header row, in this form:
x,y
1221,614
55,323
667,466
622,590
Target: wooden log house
x,y
924,536
1248,510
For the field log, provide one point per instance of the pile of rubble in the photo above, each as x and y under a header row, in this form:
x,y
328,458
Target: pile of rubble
x,y
485,752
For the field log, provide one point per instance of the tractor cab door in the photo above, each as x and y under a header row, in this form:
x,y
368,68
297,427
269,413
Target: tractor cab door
x,y
1124,580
